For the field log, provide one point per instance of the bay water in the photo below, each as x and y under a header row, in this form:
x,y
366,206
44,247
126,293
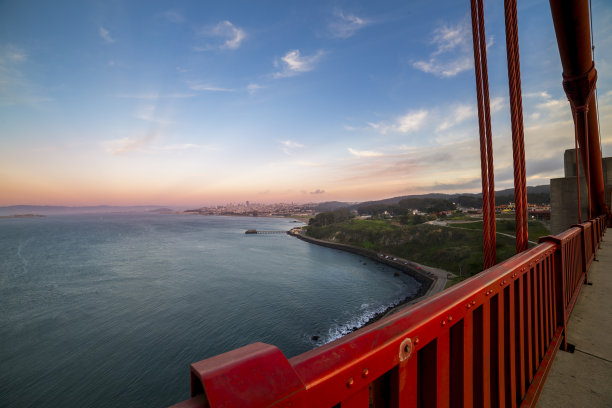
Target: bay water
x,y
109,310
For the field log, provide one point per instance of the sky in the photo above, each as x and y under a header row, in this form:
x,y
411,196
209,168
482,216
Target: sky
x,y
193,103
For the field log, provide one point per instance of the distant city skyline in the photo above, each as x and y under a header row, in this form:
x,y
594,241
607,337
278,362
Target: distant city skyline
x,y
191,104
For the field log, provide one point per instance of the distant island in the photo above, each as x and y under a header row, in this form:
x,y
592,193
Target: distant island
x,y
22,216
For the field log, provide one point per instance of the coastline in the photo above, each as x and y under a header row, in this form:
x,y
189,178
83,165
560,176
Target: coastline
x,y
432,280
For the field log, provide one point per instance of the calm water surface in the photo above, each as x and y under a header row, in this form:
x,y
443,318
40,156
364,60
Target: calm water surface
x,y
110,310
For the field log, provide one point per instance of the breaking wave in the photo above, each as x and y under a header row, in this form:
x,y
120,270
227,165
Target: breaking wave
x,y
366,314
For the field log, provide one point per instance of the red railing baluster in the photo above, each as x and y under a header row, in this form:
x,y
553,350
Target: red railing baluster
x,y
501,355
407,387
521,341
540,311
511,336
468,357
529,336
443,369
486,353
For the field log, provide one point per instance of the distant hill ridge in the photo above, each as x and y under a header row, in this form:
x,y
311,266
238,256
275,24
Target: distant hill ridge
x,y
542,191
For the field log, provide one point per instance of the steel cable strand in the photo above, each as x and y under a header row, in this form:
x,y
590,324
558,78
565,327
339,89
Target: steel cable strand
x,y
488,132
518,147
518,170
481,128
519,97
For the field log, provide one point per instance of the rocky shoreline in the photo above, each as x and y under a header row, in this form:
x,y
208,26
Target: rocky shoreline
x,y
430,282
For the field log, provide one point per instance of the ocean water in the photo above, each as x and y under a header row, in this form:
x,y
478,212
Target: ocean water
x,y
109,310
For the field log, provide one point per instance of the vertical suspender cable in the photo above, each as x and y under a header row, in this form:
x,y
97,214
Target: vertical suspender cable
x,y
577,165
518,138
486,164
487,111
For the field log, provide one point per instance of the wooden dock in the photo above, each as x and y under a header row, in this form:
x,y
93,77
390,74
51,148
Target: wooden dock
x,y
253,231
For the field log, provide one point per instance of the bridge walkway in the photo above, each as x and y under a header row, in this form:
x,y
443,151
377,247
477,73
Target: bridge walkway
x,y
584,378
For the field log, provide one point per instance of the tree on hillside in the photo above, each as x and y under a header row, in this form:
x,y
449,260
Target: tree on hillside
x,y
331,217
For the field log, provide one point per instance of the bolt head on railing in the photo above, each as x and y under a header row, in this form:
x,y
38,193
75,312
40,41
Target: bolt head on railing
x,y
405,349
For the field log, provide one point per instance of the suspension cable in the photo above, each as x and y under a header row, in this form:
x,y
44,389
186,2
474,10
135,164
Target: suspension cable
x,y
518,137
484,127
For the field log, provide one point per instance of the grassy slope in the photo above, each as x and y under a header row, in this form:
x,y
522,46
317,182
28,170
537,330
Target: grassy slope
x,y
536,228
447,248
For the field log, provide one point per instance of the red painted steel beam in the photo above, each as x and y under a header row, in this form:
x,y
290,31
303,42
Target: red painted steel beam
x,y
571,21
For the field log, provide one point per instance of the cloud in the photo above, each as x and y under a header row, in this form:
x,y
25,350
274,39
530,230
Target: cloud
x,y
458,115
456,186
318,191
184,146
105,35
444,69
230,36
155,96
174,16
15,87
409,122
364,153
543,94
209,88
448,38
14,55
148,113
130,144
452,54
252,88
345,26
293,63
497,103
289,145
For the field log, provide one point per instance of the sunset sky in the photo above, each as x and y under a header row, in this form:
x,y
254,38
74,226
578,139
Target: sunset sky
x,y
192,103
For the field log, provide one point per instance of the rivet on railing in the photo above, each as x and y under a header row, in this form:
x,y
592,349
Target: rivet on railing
x,y
350,382
416,340
405,348
443,322
468,305
450,318
365,373
473,302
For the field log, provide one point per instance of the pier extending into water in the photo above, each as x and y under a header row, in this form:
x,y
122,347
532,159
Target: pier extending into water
x,y
254,231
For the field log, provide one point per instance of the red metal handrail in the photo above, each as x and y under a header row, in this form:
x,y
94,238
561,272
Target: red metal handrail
x,y
489,340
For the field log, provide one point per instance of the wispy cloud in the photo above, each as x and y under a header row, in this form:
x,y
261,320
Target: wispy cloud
x,y
209,88
184,146
346,25
155,96
130,144
149,142
364,153
149,113
406,123
318,191
13,55
294,63
15,87
452,51
105,34
252,88
458,115
290,145
228,34
173,16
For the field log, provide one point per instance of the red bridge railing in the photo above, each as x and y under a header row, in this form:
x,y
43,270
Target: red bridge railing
x,y
488,341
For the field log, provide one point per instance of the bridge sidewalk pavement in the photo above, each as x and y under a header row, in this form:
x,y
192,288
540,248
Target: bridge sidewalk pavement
x,y
584,378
